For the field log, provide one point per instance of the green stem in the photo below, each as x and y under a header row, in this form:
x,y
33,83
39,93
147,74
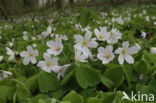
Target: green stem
x,y
127,77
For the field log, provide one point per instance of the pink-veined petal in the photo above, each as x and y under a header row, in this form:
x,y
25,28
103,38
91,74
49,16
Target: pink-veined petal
x,y
78,38
92,44
125,44
133,50
26,61
129,59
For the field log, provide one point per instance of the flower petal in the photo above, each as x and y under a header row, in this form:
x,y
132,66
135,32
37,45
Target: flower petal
x,y
49,29
50,44
101,50
56,69
33,60
88,35
78,38
97,32
133,50
26,61
92,44
29,48
24,54
121,59
129,59
109,48
125,44
41,64
118,51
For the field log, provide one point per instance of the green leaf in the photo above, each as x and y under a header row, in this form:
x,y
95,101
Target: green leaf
x,y
152,84
31,83
3,93
67,77
111,97
47,82
150,58
37,98
73,97
107,82
129,73
94,100
141,67
115,74
65,102
145,89
59,93
86,76
6,92
2,99
22,93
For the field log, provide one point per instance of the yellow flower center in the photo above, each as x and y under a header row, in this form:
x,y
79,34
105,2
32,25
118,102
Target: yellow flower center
x,y
112,34
124,51
58,48
85,43
107,55
101,36
31,54
49,64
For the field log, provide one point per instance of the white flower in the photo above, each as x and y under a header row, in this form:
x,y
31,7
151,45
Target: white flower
x,y
56,47
101,34
87,28
78,26
1,58
144,12
11,44
147,18
25,35
33,38
105,54
62,37
11,53
34,45
153,50
80,56
29,55
49,64
143,34
48,32
125,53
119,20
5,74
138,46
62,70
84,43
25,32
13,39
113,37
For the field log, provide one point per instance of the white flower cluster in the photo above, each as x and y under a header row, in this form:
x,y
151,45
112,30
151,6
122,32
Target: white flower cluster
x,y
49,64
83,45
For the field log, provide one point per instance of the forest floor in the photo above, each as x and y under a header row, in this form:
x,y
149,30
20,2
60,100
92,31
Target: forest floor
x,y
80,55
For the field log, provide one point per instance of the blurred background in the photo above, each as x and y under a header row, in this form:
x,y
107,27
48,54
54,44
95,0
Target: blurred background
x,y
20,7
